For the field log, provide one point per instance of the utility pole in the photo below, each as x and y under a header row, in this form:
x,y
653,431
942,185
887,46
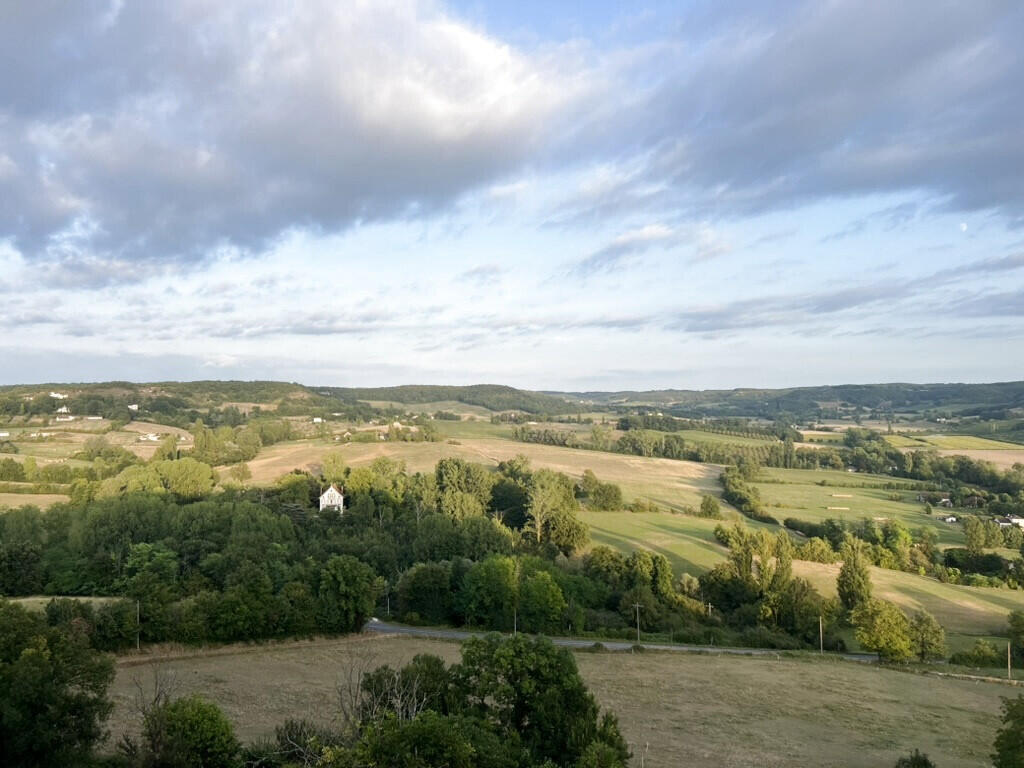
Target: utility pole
x,y
821,637
637,606
1009,672
138,626
515,622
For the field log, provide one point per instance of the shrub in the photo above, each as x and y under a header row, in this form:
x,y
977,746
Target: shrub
x,y
981,654
191,732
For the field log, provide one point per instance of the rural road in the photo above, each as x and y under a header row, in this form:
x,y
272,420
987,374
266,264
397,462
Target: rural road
x,y
385,627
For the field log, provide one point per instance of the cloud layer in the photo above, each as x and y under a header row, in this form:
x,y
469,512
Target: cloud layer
x,y
667,188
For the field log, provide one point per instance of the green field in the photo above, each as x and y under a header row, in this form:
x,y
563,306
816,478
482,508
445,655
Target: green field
x,y
970,443
974,611
951,443
796,493
688,542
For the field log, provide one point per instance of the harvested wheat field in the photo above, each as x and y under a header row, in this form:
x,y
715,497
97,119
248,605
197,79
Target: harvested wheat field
x,y
666,481
692,710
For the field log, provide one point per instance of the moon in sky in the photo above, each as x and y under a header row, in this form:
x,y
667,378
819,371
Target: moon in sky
x,y
963,226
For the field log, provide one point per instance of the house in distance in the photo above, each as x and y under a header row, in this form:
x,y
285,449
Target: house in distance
x,y
332,498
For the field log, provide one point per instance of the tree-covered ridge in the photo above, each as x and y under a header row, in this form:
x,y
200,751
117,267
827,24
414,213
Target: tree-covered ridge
x,y
805,401
494,397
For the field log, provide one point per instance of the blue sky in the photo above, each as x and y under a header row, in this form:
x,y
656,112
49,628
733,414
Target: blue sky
x,y
554,196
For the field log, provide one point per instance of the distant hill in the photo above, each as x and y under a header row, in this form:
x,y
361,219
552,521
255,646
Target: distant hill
x,y
965,399
494,397
989,402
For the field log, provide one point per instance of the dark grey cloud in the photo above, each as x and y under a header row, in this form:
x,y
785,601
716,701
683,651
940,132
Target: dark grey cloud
x,y
760,110
151,131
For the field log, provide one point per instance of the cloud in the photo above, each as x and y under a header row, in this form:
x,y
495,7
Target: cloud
x,y
155,132
759,111
612,256
485,274
889,218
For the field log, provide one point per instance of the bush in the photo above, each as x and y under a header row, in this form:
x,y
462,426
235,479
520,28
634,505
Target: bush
x,y
191,732
981,654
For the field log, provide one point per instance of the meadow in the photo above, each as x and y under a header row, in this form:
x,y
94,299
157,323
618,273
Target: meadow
x,y
666,482
41,500
952,442
799,493
677,709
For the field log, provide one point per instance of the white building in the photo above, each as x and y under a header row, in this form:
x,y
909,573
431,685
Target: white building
x,y
317,420
63,409
133,407
58,396
332,498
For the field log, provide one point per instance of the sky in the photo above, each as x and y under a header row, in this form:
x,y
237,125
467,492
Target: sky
x,y
560,196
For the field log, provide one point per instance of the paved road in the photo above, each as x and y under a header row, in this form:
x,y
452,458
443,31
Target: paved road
x,y
385,627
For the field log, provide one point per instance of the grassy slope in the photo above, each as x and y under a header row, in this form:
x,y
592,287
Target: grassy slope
x,y
691,710
798,496
962,610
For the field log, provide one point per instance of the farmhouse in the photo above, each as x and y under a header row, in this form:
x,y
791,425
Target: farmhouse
x,y
58,396
949,519
133,407
332,498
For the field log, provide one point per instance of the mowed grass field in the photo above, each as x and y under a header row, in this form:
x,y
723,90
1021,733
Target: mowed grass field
x,y
689,710
952,443
797,493
972,611
41,500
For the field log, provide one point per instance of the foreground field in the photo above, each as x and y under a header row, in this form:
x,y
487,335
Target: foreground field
x,y
690,710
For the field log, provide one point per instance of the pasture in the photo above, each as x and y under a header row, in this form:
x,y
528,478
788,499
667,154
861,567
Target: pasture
x,y
1004,459
693,710
666,482
975,611
41,500
688,542
796,493
952,443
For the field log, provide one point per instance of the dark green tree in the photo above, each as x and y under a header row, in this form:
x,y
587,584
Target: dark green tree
x,y
346,595
854,581
1009,743
927,637
53,691
915,759
529,686
190,733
